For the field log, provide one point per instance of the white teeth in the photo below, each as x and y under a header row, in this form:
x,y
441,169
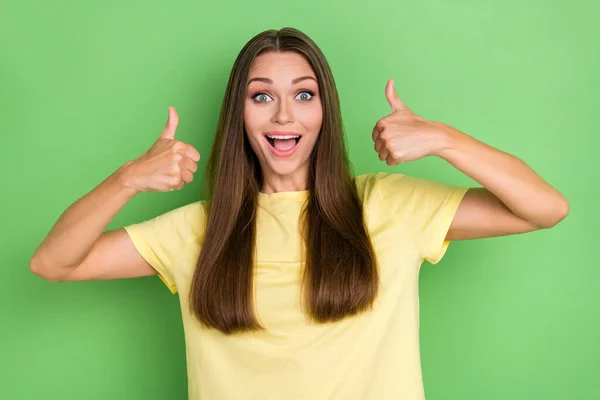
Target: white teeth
x,y
282,137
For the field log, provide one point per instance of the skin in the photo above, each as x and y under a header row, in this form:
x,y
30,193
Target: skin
x,y
512,197
283,106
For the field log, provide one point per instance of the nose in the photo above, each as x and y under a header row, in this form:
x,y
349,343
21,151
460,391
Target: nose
x,y
283,113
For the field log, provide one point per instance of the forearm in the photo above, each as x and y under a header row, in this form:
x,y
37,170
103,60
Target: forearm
x,y
81,224
510,179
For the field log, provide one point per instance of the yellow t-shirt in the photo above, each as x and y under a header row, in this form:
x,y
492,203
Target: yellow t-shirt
x,y
374,355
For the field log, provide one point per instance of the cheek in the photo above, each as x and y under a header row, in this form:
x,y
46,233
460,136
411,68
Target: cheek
x,y
254,117
249,126
249,119
312,118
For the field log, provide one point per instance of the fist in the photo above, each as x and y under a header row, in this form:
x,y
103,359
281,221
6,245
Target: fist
x,y
403,135
168,165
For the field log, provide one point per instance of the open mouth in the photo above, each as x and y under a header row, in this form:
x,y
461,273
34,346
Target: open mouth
x,y
272,140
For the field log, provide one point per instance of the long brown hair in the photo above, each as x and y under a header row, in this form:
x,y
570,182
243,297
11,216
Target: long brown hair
x,y
340,274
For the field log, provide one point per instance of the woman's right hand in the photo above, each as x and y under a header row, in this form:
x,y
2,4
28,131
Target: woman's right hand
x,y
168,165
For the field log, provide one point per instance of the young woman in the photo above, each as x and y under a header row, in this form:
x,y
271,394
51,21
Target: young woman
x,y
297,280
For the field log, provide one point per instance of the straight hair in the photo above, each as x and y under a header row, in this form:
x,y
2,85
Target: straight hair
x,y
340,276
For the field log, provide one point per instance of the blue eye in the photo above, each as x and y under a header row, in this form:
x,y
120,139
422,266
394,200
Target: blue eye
x,y
261,97
304,94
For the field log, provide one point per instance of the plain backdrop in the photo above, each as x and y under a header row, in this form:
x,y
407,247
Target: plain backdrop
x,y
85,86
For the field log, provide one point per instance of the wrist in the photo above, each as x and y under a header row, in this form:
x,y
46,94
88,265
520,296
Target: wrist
x,y
448,140
124,179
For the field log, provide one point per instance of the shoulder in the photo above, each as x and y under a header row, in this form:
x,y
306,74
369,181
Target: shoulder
x,y
385,180
191,213
184,224
374,189
190,219
399,192
379,182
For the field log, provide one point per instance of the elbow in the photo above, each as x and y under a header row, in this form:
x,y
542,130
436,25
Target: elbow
x,y
37,267
558,212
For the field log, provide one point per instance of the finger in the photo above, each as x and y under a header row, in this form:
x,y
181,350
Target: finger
x,y
171,126
384,154
392,97
192,153
377,130
189,165
378,145
389,160
375,134
186,176
176,182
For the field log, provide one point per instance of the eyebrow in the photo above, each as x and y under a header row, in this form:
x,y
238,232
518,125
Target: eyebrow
x,y
294,81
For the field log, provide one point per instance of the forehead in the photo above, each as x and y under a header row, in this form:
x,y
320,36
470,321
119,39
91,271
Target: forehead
x,y
285,66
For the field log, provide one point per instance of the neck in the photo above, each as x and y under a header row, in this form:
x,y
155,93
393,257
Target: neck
x,y
284,183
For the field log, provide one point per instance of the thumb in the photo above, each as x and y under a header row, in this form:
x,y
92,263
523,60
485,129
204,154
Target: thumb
x,y
392,97
171,126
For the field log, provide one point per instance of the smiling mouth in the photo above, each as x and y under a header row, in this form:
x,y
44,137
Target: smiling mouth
x,y
272,140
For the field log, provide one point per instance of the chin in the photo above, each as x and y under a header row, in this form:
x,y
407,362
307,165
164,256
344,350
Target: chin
x,y
283,167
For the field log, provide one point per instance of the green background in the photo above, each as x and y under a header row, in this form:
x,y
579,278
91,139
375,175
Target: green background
x,y
85,87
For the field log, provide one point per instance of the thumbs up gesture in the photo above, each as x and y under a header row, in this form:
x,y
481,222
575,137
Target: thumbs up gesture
x,y
403,135
168,165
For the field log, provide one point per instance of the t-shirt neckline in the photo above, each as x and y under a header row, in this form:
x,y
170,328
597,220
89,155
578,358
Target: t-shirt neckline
x,y
279,197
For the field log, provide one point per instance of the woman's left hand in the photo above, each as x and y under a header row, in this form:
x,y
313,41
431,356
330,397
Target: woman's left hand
x,y
403,135
513,198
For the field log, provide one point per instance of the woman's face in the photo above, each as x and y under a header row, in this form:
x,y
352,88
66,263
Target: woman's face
x,y
282,118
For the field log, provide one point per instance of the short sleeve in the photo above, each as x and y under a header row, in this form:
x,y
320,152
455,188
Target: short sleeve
x,y
163,239
425,208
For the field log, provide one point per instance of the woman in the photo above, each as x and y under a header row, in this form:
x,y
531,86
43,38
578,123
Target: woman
x,y
296,279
